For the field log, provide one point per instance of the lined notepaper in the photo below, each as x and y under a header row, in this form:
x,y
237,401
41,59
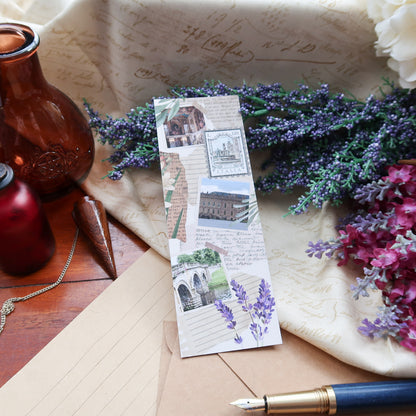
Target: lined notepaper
x,y
106,362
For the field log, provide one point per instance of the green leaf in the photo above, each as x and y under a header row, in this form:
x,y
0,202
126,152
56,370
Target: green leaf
x,y
175,230
161,117
161,106
174,110
169,195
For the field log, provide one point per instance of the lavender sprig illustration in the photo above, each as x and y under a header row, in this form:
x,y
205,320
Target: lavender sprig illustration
x,y
261,312
264,308
228,315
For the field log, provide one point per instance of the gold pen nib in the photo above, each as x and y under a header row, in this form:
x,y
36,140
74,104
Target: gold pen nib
x,y
250,405
320,400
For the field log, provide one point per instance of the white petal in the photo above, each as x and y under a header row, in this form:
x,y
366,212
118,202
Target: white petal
x,y
374,10
407,70
386,36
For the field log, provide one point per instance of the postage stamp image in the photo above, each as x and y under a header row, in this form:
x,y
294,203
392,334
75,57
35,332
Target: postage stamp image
x,y
225,152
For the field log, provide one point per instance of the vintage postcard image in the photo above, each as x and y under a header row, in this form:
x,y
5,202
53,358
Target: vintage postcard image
x,y
221,279
225,152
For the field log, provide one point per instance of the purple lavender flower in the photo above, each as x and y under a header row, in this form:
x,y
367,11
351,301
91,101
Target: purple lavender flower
x,y
327,143
261,312
228,315
238,339
265,303
323,247
241,295
368,193
387,323
373,222
256,331
264,308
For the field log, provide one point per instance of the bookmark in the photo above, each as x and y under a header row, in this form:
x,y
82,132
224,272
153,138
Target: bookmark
x,y
221,280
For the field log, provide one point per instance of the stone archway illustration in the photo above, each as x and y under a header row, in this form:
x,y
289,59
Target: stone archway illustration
x,y
192,285
198,285
185,296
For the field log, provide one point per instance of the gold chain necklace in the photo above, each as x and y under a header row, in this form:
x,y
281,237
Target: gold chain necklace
x,y
8,305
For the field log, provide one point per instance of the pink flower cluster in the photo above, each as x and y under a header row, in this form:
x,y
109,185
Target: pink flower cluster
x,y
381,236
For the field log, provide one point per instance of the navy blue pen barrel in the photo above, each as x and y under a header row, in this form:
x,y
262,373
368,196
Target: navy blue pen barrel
x,y
378,396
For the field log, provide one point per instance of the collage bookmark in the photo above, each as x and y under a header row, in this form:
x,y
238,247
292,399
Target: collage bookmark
x,y
221,279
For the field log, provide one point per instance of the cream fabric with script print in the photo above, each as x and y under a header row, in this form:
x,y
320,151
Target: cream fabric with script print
x,y
120,53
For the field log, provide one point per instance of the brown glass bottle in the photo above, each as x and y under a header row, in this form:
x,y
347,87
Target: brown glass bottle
x,y
44,137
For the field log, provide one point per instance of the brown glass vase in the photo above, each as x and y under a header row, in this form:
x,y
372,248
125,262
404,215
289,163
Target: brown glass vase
x,y
44,137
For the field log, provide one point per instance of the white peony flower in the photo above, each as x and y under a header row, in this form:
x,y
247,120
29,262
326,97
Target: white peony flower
x,y
396,30
379,10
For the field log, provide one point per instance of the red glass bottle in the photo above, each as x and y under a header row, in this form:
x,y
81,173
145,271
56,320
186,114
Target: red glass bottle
x,y
44,137
26,239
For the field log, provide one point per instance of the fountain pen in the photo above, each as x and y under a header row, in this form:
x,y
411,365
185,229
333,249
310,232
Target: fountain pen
x,y
358,398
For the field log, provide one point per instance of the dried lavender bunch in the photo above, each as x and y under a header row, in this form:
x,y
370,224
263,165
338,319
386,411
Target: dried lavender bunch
x,y
324,142
134,138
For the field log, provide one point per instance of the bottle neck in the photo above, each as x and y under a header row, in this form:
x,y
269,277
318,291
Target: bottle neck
x,y
20,78
20,70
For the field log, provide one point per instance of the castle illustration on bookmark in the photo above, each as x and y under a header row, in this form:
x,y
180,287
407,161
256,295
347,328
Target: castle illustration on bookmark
x,y
221,279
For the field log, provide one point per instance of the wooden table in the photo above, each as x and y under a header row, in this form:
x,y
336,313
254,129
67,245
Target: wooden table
x,y
38,320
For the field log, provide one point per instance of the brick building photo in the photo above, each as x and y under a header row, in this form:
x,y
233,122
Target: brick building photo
x,y
222,205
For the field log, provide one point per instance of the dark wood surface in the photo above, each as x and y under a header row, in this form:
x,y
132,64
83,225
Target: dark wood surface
x,y
38,320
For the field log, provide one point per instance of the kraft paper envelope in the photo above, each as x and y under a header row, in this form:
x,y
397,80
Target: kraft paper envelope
x,y
205,385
